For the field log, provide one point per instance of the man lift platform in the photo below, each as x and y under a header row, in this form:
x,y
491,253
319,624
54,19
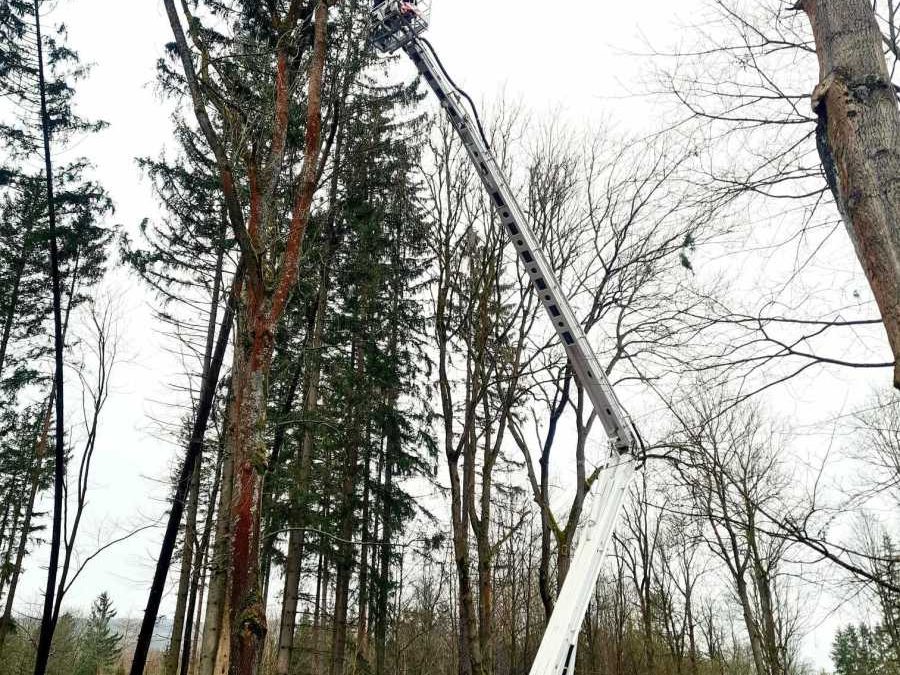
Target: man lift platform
x,y
400,25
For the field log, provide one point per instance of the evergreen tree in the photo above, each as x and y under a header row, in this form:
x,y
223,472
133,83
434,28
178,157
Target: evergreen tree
x,y
101,646
66,644
863,650
44,207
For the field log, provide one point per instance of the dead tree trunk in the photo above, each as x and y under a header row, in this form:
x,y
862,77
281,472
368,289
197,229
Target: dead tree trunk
x,y
859,143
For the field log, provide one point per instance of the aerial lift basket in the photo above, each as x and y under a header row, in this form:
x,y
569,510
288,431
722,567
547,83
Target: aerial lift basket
x,y
396,23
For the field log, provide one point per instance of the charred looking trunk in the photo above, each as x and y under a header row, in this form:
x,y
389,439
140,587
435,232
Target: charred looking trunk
x,y
48,625
859,144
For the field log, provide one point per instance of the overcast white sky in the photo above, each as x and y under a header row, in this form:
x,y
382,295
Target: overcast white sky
x,y
570,57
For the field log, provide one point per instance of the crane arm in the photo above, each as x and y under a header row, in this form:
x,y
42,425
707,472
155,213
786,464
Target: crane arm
x,y
398,25
587,367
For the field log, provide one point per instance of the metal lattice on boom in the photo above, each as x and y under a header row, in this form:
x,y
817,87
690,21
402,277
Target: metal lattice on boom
x,y
399,25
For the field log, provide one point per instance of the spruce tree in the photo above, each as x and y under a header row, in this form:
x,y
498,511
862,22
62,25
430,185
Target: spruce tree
x,y
101,646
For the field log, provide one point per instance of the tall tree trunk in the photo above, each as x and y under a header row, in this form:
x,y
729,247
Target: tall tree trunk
x,y
59,472
322,586
362,642
859,143
215,630
345,547
192,626
191,663
756,643
288,622
691,623
195,448
482,529
469,655
250,372
184,579
392,451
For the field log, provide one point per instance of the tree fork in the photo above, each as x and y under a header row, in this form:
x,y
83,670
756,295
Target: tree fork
x,y
859,144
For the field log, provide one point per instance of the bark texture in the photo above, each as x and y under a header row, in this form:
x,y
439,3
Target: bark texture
x,y
859,143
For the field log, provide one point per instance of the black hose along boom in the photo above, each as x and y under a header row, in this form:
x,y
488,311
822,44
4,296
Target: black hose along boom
x,y
400,25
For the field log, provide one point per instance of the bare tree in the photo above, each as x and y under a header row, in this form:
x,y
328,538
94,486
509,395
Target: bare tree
x,y
741,91
733,480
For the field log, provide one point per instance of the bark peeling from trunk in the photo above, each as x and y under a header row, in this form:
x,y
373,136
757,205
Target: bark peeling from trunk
x,y
859,144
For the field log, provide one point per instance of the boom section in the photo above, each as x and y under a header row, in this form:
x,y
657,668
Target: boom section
x,y
587,367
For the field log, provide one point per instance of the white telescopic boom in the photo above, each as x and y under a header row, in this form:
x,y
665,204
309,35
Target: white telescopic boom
x,y
398,25
587,367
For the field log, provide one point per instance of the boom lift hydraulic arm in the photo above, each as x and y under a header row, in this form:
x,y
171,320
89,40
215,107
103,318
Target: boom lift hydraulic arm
x,y
399,25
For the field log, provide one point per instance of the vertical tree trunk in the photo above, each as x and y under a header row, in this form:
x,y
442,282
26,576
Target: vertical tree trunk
x,y
485,550
392,450
192,627
214,628
190,663
469,655
691,623
362,642
324,582
859,143
756,643
184,578
348,501
59,471
288,623
252,360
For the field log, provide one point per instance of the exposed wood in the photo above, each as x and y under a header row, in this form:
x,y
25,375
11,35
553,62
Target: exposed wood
x,y
859,144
